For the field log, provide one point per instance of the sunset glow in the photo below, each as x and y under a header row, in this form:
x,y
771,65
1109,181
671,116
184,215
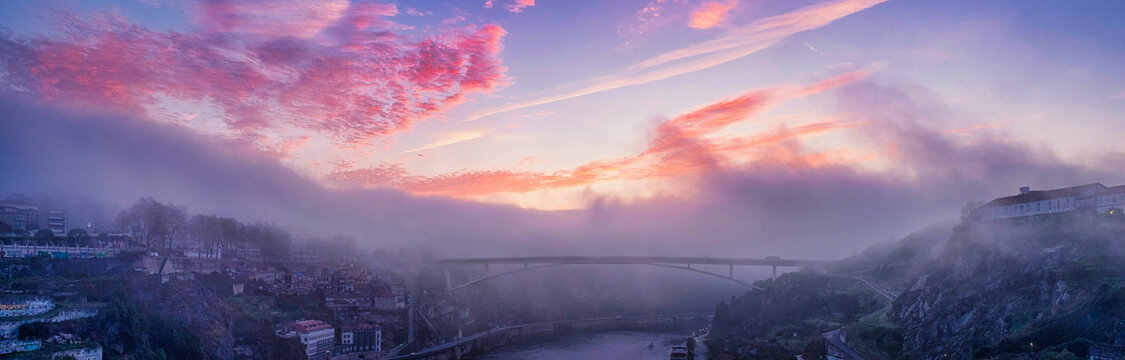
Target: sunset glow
x,y
469,100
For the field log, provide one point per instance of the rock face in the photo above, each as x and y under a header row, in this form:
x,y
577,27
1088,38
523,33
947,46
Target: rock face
x,y
1000,289
992,290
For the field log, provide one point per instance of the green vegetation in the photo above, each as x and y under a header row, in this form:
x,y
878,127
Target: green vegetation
x,y
140,335
278,309
1057,355
877,337
789,317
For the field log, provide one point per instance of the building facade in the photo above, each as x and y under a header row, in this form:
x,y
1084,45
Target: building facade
x,y
361,337
317,336
55,220
1083,199
19,217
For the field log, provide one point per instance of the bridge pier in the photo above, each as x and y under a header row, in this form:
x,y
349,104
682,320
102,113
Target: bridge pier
x,y
774,273
448,280
731,271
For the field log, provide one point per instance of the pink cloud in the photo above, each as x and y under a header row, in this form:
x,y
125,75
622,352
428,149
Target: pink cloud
x,y
488,4
346,75
652,16
710,13
519,5
273,17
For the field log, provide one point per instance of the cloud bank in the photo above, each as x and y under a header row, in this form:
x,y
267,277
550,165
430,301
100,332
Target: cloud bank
x,y
680,146
796,202
270,70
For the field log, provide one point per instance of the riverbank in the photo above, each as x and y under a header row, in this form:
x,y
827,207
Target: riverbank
x,y
605,345
485,342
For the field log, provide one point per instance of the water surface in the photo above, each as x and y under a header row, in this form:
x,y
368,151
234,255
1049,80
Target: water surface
x,y
615,345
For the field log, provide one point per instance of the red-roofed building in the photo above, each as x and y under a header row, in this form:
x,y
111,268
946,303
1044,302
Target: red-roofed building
x,y
318,337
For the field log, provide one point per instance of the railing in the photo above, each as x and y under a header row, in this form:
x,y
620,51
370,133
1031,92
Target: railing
x,y
56,252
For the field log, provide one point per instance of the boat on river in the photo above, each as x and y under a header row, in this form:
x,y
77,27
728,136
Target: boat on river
x,y
679,353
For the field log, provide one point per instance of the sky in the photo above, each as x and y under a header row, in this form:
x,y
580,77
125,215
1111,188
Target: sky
x,y
802,128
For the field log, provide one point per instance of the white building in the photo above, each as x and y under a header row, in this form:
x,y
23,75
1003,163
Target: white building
x,y
56,221
19,217
91,353
361,337
318,337
1084,199
1112,201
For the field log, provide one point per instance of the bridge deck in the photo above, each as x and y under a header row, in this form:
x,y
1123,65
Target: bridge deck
x,y
620,260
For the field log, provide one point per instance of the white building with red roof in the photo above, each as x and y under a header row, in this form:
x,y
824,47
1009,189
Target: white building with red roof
x,y
318,337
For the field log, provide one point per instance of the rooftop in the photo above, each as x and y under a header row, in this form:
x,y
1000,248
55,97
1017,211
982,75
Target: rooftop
x,y
359,326
306,326
1038,195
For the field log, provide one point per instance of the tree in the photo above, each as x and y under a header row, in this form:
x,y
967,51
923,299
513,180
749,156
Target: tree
x,y
214,232
154,223
273,241
77,236
44,236
5,228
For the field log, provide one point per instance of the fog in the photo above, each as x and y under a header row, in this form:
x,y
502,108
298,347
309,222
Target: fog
x,y
765,207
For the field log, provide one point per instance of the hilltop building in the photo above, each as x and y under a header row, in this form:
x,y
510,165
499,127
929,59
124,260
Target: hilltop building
x,y
1083,199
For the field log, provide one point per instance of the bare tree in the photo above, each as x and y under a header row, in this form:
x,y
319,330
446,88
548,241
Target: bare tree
x,y
153,223
214,232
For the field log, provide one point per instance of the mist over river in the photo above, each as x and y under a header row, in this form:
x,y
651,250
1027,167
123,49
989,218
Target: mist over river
x,y
613,345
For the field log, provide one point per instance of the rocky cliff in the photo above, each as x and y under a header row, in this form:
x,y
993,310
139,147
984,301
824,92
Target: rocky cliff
x,y
1013,289
988,290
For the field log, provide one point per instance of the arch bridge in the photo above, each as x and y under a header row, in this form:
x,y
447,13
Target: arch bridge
x,y
674,262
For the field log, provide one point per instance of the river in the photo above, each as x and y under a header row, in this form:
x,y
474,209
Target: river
x,y
612,345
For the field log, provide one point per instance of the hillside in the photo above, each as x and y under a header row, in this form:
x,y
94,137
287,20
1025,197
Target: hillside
x,y
1001,289
140,317
993,290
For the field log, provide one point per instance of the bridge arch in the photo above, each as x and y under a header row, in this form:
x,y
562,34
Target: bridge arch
x,y
552,265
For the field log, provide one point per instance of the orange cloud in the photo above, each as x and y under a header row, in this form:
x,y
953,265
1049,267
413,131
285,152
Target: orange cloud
x,y
710,13
679,147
